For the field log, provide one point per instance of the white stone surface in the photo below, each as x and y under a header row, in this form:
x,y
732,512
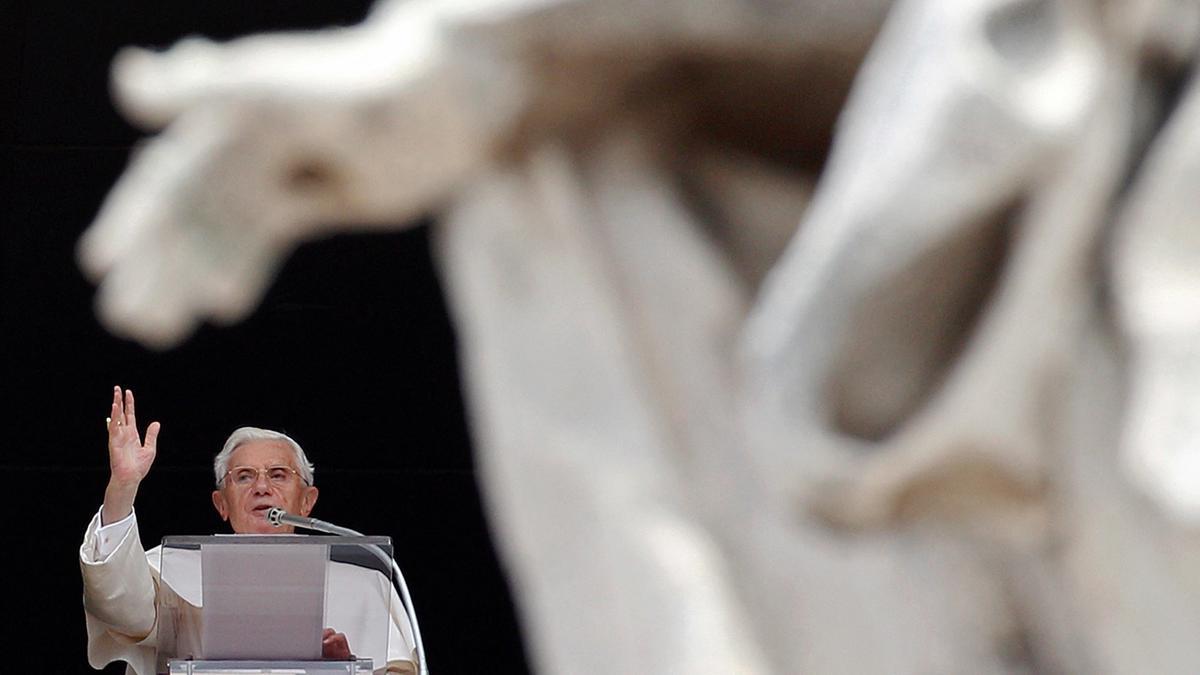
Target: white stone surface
x,y
913,407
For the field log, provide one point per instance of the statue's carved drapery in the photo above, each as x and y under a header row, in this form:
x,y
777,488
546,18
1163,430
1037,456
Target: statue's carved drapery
x,y
798,337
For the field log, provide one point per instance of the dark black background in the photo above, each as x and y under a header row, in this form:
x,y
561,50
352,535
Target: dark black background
x,y
351,353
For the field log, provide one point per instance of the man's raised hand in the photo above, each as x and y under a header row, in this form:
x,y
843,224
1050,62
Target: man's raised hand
x,y
129,459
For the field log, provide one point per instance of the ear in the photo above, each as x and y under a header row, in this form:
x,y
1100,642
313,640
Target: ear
x,y
219,503
308,500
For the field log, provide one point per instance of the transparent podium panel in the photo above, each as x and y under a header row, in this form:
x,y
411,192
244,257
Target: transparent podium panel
x,y
239,601
187,667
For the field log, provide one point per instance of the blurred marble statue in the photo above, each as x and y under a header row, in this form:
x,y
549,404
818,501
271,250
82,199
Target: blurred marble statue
x,y
798,336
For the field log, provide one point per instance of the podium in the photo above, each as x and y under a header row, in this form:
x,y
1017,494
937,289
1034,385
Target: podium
x,y
192,667
257,604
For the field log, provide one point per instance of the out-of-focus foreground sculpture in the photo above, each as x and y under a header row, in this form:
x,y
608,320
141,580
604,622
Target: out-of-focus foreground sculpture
x,y
937,412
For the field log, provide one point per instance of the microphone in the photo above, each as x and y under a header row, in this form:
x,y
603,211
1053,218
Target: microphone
x,y
277,517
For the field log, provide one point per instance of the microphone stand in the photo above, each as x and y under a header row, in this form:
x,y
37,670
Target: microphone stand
x,y
277,516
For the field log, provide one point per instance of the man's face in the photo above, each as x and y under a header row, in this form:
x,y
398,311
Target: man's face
x,y
244,503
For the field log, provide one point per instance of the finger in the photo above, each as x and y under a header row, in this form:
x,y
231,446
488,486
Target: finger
x,y
137,249
124,218
130,418
133,214
118,409
141,300
154,89
114,421
336,646
147,89
152,436
233,291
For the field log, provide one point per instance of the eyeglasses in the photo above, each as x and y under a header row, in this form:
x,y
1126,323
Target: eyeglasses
x,y
245,476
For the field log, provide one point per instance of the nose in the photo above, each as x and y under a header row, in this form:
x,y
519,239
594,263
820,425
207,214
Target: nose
x,y
261,484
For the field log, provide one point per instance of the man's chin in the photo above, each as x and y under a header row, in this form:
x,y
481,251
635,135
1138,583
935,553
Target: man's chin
x,y
257,523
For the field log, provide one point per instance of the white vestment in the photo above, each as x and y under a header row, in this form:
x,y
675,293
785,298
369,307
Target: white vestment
x,y
120,586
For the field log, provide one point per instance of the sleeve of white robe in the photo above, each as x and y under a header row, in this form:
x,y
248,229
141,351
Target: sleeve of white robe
x,y
118,596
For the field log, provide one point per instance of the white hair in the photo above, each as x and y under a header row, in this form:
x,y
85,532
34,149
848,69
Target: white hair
x,y
244,435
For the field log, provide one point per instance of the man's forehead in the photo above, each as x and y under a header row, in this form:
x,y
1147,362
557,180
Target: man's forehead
x,y
262,451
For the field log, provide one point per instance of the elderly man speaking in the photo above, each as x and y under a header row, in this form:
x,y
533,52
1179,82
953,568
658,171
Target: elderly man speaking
x,y
256,470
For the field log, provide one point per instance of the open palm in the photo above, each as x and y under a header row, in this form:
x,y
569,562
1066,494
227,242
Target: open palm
x,y
129,458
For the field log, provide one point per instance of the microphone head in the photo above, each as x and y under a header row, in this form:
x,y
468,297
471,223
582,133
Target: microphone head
x,y
275,516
